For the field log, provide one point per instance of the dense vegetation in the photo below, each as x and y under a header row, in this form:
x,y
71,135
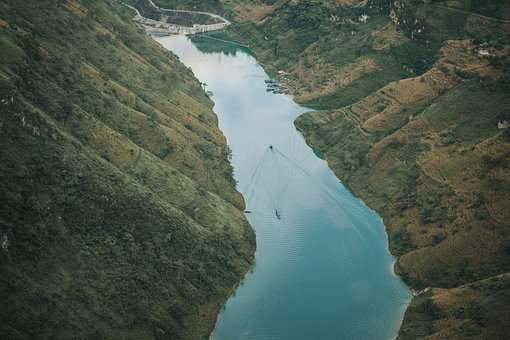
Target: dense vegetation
x,y
119,217
414,96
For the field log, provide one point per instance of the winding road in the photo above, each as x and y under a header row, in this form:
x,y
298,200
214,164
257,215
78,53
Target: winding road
x,y
225,21
156,26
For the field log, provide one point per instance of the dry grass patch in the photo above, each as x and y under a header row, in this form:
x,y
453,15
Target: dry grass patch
x,y
323,79
388,37
252,11
74,7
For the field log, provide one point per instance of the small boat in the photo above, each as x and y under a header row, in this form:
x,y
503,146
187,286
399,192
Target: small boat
x,y
247,211
277,214
270,147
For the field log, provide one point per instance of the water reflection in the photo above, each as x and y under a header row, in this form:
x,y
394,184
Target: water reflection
x,y
217,43
322,269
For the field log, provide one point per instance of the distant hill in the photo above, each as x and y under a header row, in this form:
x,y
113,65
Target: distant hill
x,y
119,217
412,103
214,6
235,9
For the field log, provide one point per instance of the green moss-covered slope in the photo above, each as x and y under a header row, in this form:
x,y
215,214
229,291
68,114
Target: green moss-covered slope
x,y
119,217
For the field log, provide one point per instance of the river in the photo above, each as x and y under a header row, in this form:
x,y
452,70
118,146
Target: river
x,y
323,269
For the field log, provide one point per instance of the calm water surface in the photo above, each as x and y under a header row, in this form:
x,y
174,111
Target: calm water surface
x,y
323,270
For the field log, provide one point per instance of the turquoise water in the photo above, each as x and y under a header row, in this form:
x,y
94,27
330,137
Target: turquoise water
x,y
323,270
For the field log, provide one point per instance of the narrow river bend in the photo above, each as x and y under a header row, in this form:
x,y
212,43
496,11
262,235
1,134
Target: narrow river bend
x,y
323,269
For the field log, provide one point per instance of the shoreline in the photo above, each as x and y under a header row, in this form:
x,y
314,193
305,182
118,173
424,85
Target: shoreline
x,y
411,292
272,72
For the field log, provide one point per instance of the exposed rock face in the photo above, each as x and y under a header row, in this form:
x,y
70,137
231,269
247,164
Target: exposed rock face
x,y
119,216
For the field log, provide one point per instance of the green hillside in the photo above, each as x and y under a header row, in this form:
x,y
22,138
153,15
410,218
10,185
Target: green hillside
x,y
119,217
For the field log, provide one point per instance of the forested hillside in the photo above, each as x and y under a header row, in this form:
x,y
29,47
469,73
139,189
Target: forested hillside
x,y
413,101
119,217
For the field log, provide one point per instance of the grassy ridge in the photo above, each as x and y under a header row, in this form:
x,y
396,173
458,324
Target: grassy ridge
x,y
119,216
332,58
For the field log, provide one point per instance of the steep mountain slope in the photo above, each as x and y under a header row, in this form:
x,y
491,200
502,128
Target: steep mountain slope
x,y
414,98
331,55
119,216
478,310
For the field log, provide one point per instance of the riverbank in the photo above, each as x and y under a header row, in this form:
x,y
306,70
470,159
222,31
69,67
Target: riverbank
x,y
320,259
410,121
412,129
